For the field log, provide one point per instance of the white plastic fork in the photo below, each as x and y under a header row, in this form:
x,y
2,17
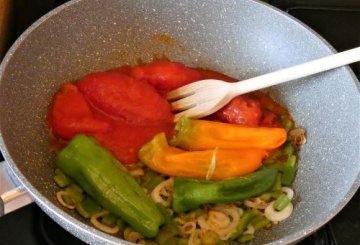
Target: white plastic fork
x,y
205,97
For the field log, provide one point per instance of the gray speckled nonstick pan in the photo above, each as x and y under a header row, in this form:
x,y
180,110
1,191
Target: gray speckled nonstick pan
x,y
240,38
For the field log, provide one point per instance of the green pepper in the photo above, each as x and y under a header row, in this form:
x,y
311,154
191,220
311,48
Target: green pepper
x,y
209,237
272,158
191,193
87,207
60,179
259,222
287,167
289,171
277,184
198,212
288,149
110,184
245,238
287,122
266,197
281,202
152,179
75,193
276,194
165,212
167,234
243,223
109,220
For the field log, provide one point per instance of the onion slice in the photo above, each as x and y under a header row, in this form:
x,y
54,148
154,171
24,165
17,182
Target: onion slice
x,y
132,236
164,189
288,191
59,197
276,216
195,238
221,219
110,230
250,230
188,228
255,203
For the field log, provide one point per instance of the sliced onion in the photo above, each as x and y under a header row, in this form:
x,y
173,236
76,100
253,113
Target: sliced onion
x,y
202,222
179,220
145,189
132,236
110,230
195,238
250,230
276,216
137,172
241,211
255,203
188,227
218,220
59,197
288,191
164,189
221,219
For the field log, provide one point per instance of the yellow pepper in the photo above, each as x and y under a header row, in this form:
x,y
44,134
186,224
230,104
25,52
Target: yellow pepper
x,y
201,135
213,164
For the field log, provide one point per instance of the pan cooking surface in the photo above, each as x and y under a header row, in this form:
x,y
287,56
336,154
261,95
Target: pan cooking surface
x,y
89,41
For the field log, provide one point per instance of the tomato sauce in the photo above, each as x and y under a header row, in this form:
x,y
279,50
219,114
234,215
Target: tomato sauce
x,y
121,113
124,108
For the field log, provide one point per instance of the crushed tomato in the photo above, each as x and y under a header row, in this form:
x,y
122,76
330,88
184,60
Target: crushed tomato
x,y
124,108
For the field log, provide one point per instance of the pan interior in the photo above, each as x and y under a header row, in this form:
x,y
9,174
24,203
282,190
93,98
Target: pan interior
x,y
239,38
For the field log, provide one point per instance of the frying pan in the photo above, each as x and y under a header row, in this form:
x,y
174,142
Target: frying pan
x,y
239,38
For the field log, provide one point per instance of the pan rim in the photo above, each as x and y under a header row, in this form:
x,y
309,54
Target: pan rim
x,y
61,217
88,233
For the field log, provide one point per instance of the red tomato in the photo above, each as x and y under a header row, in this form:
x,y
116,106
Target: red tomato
x,y
125,98
242,110
269,119
125,140
70,114
125,69
165,75
207,74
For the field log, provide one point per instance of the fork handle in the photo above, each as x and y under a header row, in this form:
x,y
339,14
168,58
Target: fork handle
x,y
295,72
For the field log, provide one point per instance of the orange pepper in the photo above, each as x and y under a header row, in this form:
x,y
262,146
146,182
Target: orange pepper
x,y
213,164
202,135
